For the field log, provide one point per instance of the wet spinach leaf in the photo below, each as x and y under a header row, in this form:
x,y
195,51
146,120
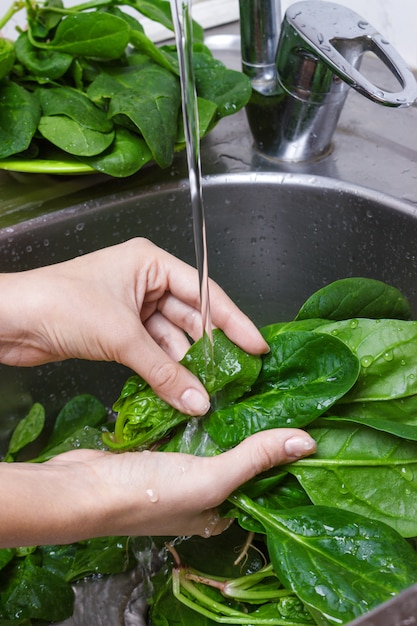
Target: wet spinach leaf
x,y
19,118
387,351
26,431
47,64
360,469
143,418
356,297
92,34
339,563
7,57
301,377
397,416
28,591
127,154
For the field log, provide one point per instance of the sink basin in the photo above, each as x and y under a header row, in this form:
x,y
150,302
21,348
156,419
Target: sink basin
x,y
273,239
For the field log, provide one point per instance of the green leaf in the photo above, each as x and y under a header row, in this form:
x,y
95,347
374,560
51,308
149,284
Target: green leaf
x,y
73,137
151,102
235,370
164,58
339,563
398,416
102,555
86,437
49,64
270,331
82,410
387,351
92,35
75,105
228,89
300,379
19,117
356,297
26,431
31,592
125,156
364,470
6,555
7,57
143,418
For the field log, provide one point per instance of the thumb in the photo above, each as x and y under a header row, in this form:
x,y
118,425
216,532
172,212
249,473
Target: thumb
x,y
170,381
261,452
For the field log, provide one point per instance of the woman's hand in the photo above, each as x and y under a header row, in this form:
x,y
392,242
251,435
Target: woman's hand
x,y
89,493
131,303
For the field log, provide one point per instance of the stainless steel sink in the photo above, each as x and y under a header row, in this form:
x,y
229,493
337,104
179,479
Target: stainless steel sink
x,y
275,232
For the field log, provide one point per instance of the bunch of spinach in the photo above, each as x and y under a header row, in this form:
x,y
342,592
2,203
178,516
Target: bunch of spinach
x,y
86,83
338,541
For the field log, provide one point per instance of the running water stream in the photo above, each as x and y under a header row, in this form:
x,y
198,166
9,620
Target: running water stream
x,y
182,19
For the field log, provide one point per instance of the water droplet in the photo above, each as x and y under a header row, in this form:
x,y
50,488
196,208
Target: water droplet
x,y
363,24
366,361
343,489
388,355
152,495
407,473
353,323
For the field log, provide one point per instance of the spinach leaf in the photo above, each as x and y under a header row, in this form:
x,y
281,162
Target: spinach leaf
x,y
26,431
398,416
235,370
360,469
339,563
80,411
75,105
124,157
158,54
147,99
6,555
73,137
19,117
270,331
143,418
299,380
387,351
7,57
228,89
356,297
92,35
32,592
102,555
49,64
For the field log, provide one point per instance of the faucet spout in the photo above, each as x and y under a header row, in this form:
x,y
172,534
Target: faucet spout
x,y
298,97
260,22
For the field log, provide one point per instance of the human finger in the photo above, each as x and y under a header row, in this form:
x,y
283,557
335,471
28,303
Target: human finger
x,y
170,380
256,454
170,337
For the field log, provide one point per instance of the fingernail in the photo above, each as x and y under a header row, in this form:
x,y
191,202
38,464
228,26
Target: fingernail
x,y
194,402
299,446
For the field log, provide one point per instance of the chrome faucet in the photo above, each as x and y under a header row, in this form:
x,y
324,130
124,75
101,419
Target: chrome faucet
x,y
301,73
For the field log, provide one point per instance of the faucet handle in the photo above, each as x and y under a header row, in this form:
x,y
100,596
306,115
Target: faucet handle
x,y
339,37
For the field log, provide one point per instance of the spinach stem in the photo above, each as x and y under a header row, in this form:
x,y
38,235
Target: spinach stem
x,y
15,8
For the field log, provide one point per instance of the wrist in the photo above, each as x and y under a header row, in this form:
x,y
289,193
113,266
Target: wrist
x,y
47,503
